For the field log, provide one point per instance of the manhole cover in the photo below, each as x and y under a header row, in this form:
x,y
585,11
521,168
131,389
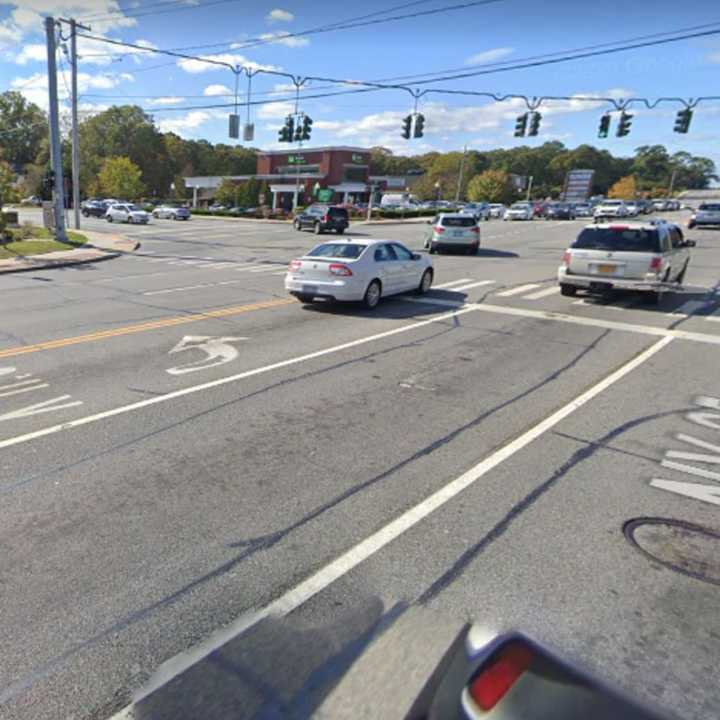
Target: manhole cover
x,y
686,548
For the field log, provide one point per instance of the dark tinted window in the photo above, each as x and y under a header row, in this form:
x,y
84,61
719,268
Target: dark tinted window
x,y
401,252
618,240
714,207
383,253
349,251
338,213
459,221
676,237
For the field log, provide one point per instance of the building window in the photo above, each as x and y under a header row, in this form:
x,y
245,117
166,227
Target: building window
x,y
293,169
355,174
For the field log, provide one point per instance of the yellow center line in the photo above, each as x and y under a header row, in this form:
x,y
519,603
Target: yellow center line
x,y
142,327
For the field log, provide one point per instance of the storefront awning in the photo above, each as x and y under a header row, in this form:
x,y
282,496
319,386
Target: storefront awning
x,y
350,187
286,188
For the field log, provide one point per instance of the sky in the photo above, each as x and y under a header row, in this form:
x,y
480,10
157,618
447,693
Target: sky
x,y
485,38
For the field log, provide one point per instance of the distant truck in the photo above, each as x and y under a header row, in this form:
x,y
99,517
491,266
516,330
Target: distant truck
x,y
403,199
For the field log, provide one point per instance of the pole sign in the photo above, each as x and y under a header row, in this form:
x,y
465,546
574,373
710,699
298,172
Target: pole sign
x,y
578,184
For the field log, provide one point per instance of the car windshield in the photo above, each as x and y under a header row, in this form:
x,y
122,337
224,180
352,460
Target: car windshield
x,y
134,208
618,240
458,222
337,212
519,206
713,207
612,203
348,251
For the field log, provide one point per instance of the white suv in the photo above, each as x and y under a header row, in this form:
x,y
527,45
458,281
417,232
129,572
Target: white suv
x,y
610,209
631,256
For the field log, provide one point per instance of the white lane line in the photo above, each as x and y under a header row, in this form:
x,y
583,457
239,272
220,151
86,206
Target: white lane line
x,y
24,390
249,267
20,384
472,285
546,292
123,409
218,265
608,306
266,268
284,272
311,586
452,282
518,290
194,287
688,308
713,318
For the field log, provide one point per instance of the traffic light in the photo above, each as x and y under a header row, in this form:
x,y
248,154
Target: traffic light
x,y
306,128
604,128
419,125
682,121
49,181
287,130
535,118
624,124
521,125
407,127
298,133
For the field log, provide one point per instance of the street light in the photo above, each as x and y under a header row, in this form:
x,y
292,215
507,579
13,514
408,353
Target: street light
x,y
437,191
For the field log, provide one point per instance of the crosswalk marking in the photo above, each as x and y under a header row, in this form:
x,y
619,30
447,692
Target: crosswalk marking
x,y
690,307
546,292
518,290
473,285
452,282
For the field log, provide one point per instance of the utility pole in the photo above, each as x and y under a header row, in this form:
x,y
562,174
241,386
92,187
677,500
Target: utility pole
x,y
75,138
529,188
672,182
460,175
55,142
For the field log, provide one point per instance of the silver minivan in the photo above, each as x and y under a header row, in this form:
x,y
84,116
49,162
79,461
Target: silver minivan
x,y
627,256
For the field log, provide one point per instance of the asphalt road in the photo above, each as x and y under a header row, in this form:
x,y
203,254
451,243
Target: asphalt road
x,y
182,447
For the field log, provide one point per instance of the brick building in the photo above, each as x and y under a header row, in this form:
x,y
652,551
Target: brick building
x,y
334,174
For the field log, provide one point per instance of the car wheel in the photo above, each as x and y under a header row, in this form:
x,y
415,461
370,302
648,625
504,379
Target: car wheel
x,y
297,225
691,225
317,229
372,295
109,218
432,250
568,290
339,231
425,282
305,299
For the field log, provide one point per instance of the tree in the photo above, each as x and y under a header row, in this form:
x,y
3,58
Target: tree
x,y
23,126
624,188
7,189
120,177
227,193
491,186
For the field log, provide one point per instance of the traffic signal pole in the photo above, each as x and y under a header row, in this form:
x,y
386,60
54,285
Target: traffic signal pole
x,y
55,141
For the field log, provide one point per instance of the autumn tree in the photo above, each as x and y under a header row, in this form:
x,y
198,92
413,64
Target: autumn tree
x,y
491,186
120,178
625,187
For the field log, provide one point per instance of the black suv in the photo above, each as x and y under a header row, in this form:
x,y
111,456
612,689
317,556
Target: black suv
x,y
319,218
94,208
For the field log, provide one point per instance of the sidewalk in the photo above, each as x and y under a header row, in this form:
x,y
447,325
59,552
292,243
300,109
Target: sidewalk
x,y
101,246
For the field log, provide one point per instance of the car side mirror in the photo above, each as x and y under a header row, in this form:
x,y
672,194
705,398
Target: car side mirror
x,y
428,222
416,256
690,243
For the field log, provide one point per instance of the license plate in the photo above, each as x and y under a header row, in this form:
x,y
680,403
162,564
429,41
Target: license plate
x,y
308,289
606,269
599,287
457,233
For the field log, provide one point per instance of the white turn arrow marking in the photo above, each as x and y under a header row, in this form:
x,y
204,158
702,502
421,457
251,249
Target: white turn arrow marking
x,y
217,351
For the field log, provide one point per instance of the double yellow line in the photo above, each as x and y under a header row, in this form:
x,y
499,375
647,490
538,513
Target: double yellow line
x,y
142,327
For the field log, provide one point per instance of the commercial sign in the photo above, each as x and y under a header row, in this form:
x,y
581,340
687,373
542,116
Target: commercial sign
x,y
578,184
325,195
357,158
296,159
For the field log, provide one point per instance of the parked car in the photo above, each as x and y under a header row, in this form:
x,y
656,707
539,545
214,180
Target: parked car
x,y
320,218
173,213
559,211
94,208
632,208
583,210
453,231
660,204
481,211
520,211
497,210
216,207
645,206
127,213
32,200
706,214
358,270
632,256
610,209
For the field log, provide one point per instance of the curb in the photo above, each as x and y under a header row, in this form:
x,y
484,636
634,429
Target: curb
x,y
62,263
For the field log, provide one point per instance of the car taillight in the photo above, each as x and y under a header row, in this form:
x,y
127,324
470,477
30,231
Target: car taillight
x,y
656,264
566,258
475,230
338,269
493,682
439,229
295,265
325,218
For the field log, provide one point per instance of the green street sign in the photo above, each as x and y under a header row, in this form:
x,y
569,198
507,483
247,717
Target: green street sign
x,y
325,195
296,159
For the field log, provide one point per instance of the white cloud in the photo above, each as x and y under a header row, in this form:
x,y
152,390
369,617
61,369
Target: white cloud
x,y
278,15
216,90
489,55
283,37
10,35
35,52
714,57
197,66
275,110
181,125
165,101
